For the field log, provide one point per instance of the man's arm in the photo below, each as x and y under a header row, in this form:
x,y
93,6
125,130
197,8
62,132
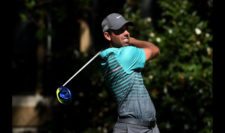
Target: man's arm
x,y
151,51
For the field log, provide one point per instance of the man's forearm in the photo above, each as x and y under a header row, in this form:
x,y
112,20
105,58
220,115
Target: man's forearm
x,y
140,43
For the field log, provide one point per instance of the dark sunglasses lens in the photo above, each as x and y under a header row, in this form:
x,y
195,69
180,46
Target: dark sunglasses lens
x,y
119,31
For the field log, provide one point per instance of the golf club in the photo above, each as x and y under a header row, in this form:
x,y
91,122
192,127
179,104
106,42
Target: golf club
x,y
63,93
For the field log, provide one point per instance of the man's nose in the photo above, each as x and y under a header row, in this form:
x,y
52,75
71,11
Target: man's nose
x,y
126,32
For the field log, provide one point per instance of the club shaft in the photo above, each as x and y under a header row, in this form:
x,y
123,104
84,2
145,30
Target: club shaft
x,y
81,68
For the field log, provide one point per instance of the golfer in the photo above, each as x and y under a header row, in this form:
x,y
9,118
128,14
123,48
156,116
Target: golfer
x,y
121,64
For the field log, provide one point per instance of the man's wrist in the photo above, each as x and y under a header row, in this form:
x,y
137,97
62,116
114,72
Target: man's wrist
x,y
131,41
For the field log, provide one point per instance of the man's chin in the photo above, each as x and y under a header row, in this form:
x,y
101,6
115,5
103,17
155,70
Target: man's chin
x,y
126,44
121,45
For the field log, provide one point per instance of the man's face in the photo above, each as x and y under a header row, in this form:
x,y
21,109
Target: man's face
x,y
120,38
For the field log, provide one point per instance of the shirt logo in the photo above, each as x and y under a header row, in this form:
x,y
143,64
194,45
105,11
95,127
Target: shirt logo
x,y
118,17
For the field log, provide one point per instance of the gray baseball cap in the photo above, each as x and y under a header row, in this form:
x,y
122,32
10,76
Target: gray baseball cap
x,y
114,21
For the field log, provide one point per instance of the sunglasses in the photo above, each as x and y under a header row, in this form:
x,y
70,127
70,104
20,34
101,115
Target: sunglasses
x,y
119,31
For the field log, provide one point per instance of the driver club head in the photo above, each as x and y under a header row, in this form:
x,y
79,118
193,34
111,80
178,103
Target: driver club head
x,y
63,95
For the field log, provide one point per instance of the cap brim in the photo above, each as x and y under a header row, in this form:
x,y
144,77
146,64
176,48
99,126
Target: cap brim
x,y
129,23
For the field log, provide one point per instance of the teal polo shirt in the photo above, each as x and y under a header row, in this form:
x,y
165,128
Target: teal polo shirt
x,y
122,74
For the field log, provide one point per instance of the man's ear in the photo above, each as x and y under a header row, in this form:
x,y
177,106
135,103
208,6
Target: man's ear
x,y
107,36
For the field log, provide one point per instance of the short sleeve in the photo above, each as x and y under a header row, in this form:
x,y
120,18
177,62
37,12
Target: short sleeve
x,y
131,58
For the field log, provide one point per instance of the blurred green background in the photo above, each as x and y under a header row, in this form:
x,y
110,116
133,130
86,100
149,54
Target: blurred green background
x,y
54,38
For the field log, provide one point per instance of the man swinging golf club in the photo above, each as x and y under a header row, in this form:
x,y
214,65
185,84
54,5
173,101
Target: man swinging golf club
x,y
121,64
